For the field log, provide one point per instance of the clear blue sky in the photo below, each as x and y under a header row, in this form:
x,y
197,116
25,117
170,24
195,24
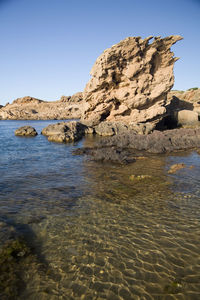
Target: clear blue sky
x,y
47,47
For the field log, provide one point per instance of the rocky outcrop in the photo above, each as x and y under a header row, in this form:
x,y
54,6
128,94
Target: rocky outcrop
x,y
29,108
125,147
26,131
183,107
181,100
130,82
65,132
190,96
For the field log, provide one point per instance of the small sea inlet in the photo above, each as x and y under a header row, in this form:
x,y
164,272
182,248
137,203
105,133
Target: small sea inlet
x,y
91,231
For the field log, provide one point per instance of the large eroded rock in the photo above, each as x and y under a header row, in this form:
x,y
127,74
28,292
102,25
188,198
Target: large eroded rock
x,y
130,81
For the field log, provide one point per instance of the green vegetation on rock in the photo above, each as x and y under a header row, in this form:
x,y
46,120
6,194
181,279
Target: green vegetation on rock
x,y
193,89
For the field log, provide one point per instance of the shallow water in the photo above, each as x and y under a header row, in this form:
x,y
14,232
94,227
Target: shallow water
x,y
95,233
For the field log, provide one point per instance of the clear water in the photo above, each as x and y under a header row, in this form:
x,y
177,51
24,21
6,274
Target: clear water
x,y
96,234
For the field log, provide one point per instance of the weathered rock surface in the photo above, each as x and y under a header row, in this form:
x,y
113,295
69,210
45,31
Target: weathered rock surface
x,y
65,132
108,154
187,117
130,82
124,147
26,131
183,107
29,108
112,128
192,95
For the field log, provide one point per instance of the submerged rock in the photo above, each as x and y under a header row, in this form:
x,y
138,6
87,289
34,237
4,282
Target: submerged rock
x,y
13,253
26,131
11,256
174,168
108,154
139,177
130,81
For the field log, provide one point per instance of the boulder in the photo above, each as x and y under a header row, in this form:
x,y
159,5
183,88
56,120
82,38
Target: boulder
x,y
130,82
26,131
187,117
65,132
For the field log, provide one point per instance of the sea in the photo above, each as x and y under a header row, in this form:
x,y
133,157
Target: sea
x,y
95,231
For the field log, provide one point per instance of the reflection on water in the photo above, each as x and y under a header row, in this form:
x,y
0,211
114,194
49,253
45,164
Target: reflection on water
x,y
94,232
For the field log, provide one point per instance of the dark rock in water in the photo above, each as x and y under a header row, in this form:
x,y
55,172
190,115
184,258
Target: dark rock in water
x,y
108,154
26,131
156,142
13,253
11,256
123,147
65,132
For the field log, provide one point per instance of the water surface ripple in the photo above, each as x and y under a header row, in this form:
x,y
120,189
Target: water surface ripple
x,y
94,232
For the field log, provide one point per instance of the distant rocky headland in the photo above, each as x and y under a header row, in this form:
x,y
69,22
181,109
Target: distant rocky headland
x,y
30,108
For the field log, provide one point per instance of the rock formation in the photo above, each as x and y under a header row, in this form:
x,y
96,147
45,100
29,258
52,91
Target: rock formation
x,y
189,100
130,81
26,131
125,147
65,132
29,108
183,107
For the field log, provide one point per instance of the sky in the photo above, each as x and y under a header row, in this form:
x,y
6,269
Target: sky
x,y
48,47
